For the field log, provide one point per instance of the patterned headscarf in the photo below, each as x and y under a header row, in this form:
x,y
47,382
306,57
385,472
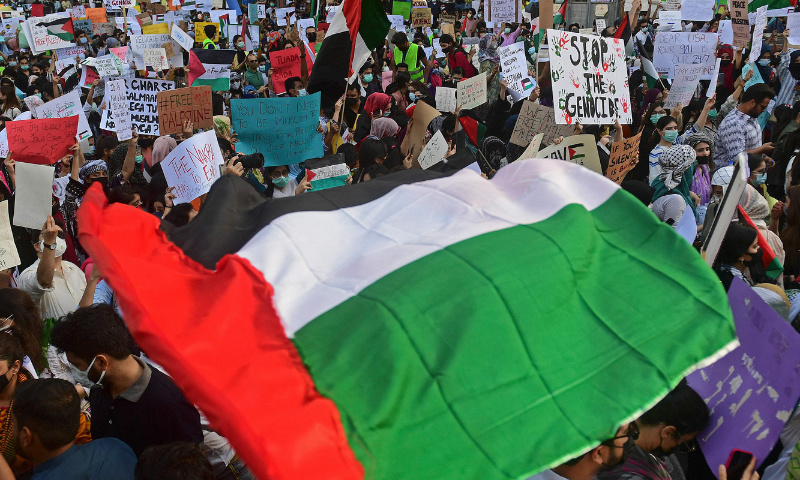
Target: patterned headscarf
x,y
485,49
384,127
702,183
701,137
755,206
674,162
722,177
92,166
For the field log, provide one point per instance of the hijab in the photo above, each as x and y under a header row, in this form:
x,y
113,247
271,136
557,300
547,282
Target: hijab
x,y
677,172
486,51
377,103
722,177
794,68
384,127
162,147
755,206
727,70
701,184
222,126
764,71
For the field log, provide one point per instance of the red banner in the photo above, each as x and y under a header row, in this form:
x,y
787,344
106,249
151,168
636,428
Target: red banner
x,y
44,141
286,64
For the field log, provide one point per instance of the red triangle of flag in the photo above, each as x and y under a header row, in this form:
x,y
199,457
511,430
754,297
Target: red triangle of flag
x,y
571,152
196,67
310,175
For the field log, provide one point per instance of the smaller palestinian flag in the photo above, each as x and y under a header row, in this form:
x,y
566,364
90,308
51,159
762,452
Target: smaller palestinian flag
x,y
223,26
624,33
561,15
474,128
61,28
211,67
649,72
327,172
772,265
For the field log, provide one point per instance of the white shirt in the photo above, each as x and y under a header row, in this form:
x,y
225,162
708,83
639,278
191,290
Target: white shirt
x,y
547,475
60,299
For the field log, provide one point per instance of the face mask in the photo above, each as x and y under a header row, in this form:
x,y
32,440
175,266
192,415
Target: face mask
x,y
760,179
712,113
703,159
24,67
716,198
12,64
302,92
61,246
532,51
84,41
236,85
139,158
654,117
280,182
794,69
670,136
435,71
350,101
312,37
368,78
262,68
102,181
725,63
763,62
507,30
37,95
90,151
446,49
436,31
4,381
102,374
158,214
282,31
469,15
387,113
240,45
271,4
480,15
412,96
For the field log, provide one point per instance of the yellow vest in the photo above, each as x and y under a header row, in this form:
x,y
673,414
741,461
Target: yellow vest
x,y
410,59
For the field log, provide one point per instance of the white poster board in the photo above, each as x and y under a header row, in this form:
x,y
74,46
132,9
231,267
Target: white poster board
x,y
684,48
67,105
699,10
434,151
193,166
9,257
472,92
513,65
117,102
446,99
34,194
684,85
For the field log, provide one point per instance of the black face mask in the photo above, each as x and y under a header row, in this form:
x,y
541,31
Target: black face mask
x,y
102,181
794,69
350,101
725,63
146,143
703,160
446,49
312,37
4,381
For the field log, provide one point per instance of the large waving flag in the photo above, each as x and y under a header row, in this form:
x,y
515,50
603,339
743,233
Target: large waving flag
x,y
211,67
61,27
416,325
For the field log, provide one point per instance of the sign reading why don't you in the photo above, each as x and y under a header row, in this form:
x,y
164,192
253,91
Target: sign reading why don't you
x,y
590,79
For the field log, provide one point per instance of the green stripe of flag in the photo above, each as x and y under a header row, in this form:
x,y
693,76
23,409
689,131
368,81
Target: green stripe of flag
x,y
374,23
222,84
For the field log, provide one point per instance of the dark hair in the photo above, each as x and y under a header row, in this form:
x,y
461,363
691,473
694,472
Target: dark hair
x,y
91,331
374,171
173,461
446,38
353,86
660,125
682,408
11,346
754,160
123,194
401,79
791,234
217,104
210,31
179,214
288,84
758,92
370,150
349,152
106,142
27,325
400,65
399,38
50,408
458,71
737,241
394,158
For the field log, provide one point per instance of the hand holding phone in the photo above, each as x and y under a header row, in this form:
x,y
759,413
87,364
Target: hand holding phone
x,y
740,466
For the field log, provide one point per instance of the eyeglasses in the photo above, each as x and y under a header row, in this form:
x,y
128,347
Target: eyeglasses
x,y
687,446
632,433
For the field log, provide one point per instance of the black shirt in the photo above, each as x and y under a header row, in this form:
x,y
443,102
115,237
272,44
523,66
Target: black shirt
x,y
153,411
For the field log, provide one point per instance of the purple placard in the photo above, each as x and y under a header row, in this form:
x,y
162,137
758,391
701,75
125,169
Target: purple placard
x,y
752,390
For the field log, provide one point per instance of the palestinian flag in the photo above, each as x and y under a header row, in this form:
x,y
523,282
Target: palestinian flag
x,y
417,325
624,33
358,27
60,27
650,73
561,14
327,172
772,265
223,26
771,4
474,128
211,67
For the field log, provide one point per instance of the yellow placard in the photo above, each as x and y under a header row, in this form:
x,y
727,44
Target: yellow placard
x,y
157,28
200,34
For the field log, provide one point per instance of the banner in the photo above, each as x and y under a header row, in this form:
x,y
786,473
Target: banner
x,y
283,129
142,104
472,92
623,157
49,32
683,85
685,48
534,119
286,64
578,149
193,166
590,79
42,141
67,105
191,104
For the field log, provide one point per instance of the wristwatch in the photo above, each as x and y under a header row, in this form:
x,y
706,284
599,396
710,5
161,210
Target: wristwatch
x,y
52,246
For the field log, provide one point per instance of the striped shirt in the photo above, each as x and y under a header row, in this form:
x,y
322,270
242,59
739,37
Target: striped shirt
x,y
738,133
786,95
655,154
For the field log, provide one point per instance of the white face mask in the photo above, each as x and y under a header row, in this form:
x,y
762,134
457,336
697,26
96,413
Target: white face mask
x,y
61,246
102,374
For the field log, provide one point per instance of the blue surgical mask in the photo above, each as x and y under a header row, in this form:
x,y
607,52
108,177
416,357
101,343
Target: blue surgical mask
x,y
532,51
763,62
84,40
12,64
368,78
240,45
712,113
280,182
86,372
263,68
282,31
435,71
670,136
139,158
302,92
412,96
90,151
655,117
760,179
507,30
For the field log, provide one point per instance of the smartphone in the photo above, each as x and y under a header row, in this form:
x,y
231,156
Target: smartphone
x,y
738,461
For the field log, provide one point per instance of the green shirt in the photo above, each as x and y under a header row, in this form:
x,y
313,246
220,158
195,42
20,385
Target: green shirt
x,y
255,79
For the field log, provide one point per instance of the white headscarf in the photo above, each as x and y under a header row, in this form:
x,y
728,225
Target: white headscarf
x,y
722,177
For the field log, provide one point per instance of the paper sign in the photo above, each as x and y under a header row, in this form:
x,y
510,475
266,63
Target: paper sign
x,y
578,149
286,64
67,105
162,28
700,10
533,148
42,141
117,103
71,52
623,157
200,33
138,43
96,15
9,257
191,104
280,15
712,86
402,8
726,32
101,28
421,17
156,58
84,26
445,99
34,194
600,24
684,85
514,66
503,11
44,32
779,12
142,103
423,115
182,38
78,12
684,48
751,391
283,129
533,119
193,166
472,92
740,23
106,67
434,151
793,25
590,79
396,21
169,50
669,18
117,4
758,32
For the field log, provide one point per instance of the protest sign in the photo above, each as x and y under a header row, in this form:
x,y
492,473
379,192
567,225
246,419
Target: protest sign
x,y
669,18
751,391
142,103
105,66
684,85
112,5
423,115
193,166
513,65
396,21
472,91
34,193
533,119
42,141
578,149
191,104
590,79
283,129
779,12
726,32
200,32
445,99
67,105
712,85
700,10
84,26
117,103
684,48
101,28
156,58
740,23
503,11
32,102
144,19
421,17
252,13
434,151
46,32
586,31
758,32
533,147
600,24
402,8
162,28
304,24
280,15
96,15
9,257
623,157
286,64
139,43
793,25
169,50
182,38
78,12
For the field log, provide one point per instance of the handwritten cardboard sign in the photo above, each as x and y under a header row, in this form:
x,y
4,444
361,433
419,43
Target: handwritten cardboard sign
x,y
758,32
445,98
751,391
590,79
686,78
34,193
434,151
514,66
472,92
421,17
623,157
533,119
142,104
685,48
9,257
96,15
106,66
286,64
283,129
101,28
117,103
578,149
169,49
138,43
503,11
191,104
156,58
41,141
193,166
